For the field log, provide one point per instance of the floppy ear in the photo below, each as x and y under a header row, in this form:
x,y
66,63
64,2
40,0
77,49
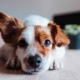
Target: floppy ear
x,y
58,36
6,24
10,28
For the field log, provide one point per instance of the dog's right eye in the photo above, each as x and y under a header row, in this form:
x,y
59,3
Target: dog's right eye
x,y
22,43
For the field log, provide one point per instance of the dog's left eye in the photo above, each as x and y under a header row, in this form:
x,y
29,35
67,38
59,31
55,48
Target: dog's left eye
x,y
22,43
47,42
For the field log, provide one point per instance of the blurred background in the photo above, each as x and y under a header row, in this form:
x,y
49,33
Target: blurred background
x,y
63,12
46,8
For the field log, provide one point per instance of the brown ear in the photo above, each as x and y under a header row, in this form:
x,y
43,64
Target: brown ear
x,y
10,28
6,24
58,36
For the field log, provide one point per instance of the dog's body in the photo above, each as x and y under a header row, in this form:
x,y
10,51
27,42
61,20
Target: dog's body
x,y
38,45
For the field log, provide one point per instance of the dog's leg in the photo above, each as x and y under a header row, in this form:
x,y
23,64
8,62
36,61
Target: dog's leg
x,y
7,53
58,59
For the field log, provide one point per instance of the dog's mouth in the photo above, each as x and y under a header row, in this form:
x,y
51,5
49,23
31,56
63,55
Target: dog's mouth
x,y
30,73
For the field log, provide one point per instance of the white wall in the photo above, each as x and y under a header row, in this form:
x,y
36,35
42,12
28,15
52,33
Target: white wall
x,y
46,8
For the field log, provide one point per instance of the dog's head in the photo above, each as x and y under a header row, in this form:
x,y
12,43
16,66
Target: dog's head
x,y
34,45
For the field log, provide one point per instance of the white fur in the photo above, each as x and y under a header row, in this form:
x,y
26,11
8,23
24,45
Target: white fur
x,y
36,20
54,56
28,34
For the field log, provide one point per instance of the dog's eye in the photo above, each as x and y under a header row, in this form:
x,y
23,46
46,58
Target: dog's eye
x,y
22,43
47,42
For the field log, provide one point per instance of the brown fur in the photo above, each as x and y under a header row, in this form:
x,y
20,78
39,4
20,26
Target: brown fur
x,y
58,36
40,36
25,60
10,28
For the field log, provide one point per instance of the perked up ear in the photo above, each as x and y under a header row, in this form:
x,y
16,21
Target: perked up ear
x,y
58,36
10,27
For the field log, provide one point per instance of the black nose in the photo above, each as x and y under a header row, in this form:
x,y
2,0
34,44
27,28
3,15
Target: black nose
x,y
34,61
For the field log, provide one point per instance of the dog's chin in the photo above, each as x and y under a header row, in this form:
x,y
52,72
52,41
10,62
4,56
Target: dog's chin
x,y
31,72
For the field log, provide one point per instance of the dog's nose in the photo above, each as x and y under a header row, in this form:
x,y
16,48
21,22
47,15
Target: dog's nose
x,y
34,61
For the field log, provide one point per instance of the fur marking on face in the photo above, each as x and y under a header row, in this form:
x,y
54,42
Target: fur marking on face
x,y
36,46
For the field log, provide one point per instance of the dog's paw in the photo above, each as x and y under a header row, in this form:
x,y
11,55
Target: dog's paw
x,y
13,63
56,65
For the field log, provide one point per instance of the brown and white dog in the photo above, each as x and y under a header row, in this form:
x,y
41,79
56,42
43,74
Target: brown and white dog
x,y
36,43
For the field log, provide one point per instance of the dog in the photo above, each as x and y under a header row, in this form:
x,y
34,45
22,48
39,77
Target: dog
x,y
36,45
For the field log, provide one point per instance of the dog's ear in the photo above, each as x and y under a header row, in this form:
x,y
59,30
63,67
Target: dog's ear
x,y
58,36
6,24
10,27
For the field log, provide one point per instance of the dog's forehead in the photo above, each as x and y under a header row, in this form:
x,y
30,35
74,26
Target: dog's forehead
x,y
30,32
42,31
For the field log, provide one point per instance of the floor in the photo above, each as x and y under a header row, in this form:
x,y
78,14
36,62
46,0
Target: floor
x,y
71,70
